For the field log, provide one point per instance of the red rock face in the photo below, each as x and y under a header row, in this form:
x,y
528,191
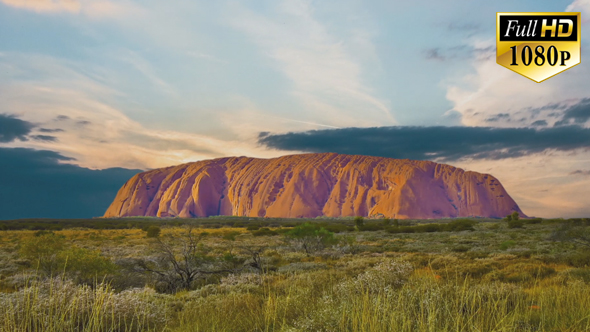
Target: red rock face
x,y
311,185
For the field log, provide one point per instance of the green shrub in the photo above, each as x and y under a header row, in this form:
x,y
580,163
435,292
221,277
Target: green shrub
x,y
86,266
525,272
580,274
359,222
264,232
507,244
454,226
43,251
515,224
338,228
575,259
370,227
402,229
533,221
230,236
153,231
310,237
460,249
460,225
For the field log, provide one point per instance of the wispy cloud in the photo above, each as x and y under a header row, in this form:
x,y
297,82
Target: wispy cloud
x,y
324,76
581,172
90,126
91,8
45,5
491,88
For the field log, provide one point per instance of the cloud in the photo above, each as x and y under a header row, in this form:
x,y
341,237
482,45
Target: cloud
x,y
434,54
45,138
93,127
581,172
489,88
12,128
91,8
47,130
541,183
581,6
434,143
459,52
539,123
72,6
36,184
326,77
498,117
576,114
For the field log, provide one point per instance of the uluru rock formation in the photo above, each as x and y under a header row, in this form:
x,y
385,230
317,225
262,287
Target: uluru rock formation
x,y
311,185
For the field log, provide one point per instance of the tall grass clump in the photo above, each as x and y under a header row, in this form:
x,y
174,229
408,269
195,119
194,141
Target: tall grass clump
x,y
59,305
390,297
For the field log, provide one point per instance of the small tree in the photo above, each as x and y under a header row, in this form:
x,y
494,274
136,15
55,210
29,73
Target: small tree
x,y
87,266
310,237
51,255
359,222
183,260
153,231
44,250
515,224
515,215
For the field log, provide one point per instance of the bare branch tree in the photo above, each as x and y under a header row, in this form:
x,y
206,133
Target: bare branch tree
x,y
183,260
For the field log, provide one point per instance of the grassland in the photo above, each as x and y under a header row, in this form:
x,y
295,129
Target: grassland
x,y
254,275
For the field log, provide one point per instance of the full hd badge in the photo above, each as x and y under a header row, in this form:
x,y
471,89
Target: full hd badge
x,y
538,45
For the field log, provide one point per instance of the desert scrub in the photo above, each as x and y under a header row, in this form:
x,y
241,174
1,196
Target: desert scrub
x,y
508,280
61,305
386,275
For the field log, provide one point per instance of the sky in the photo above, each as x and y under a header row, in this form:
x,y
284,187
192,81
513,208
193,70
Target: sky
x,y
92,92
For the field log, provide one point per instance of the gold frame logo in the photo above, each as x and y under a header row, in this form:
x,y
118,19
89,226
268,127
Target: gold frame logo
x,y
538,46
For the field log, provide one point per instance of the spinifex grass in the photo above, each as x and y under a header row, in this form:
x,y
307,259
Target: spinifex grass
x,y
445,281
424,303
58,305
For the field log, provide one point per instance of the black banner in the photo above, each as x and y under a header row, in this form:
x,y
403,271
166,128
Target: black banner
x,y
528,28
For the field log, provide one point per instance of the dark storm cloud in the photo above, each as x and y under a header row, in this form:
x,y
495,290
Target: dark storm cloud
x,y
539,123
429,143
537,110
45,138
576,114
45,130
33,183
498,117
12,128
